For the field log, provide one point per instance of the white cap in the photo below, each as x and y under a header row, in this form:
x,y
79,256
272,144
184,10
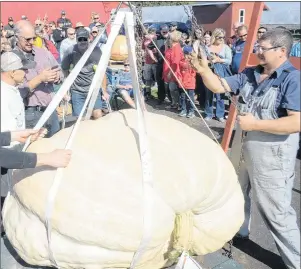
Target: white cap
x,y
13,60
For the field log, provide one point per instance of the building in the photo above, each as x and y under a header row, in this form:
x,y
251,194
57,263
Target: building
x,y
75,11
213,15
285,14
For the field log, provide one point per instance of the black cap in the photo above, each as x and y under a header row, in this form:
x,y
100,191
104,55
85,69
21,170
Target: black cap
x,y
10,19
82,32
174,23
152,29
63,12
164,27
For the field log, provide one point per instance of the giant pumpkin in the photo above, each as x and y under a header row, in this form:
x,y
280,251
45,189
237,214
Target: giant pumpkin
x,y
97,220
119,50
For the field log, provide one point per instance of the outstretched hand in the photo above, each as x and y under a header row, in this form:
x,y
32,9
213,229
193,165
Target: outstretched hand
x,y
22,136
198,61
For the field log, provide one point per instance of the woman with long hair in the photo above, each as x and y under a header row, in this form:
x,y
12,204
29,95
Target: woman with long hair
x,y
221,56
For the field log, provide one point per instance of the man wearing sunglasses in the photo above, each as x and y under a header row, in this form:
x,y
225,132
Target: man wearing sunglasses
x,y
37,90
65,21
95,21
68,42
260,32
11,25
81,85
269,114
238,47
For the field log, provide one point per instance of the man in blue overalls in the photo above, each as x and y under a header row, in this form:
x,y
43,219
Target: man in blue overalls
x,y
269,113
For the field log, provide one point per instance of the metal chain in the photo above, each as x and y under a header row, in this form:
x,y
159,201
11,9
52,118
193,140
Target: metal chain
x,y
200,32
139,40
200,36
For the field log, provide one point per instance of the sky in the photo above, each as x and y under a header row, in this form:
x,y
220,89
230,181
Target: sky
x,y
281,13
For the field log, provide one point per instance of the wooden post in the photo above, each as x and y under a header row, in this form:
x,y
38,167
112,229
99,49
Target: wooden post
x,y
248,50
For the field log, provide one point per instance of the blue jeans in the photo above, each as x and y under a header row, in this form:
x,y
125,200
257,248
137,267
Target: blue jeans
x,y
52,124
78,99
185,102
220,106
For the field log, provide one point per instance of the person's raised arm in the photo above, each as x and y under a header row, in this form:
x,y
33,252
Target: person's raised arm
x,y
211,81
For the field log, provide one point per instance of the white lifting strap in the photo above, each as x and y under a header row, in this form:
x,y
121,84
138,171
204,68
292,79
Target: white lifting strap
x,y
103,62
147,178
52,106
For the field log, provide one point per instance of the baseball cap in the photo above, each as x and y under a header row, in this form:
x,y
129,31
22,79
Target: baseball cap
x,y
63,12
15,60
152,29
187,49
10,19
23,17
164,27
174,23
82,32
79,24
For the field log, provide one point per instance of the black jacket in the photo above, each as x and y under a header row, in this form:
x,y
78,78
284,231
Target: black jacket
x,y
12,159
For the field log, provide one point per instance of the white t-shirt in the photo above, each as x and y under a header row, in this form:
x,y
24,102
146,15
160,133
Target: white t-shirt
x,y
12,109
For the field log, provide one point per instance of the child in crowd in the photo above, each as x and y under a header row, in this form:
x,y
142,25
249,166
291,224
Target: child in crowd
x,y
124,84
188,76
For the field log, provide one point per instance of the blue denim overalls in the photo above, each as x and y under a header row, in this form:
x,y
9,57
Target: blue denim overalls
x,y
268,168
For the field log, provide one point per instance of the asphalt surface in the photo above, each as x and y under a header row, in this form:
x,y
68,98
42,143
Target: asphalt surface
x,y
260,252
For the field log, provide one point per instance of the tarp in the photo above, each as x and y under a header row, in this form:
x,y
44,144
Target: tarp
x,y
162,14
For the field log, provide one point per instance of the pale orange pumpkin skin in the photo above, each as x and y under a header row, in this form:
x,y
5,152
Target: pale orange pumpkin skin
x,y
119,50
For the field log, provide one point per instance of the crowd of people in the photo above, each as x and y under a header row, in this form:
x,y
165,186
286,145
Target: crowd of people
x,y
225,56
36,58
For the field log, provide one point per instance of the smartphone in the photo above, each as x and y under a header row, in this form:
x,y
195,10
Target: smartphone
x,y
54,67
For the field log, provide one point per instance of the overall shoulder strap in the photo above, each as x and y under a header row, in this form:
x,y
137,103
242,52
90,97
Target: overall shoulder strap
x,y
283,76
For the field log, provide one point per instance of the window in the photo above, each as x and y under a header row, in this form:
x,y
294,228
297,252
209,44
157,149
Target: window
x,y
242,15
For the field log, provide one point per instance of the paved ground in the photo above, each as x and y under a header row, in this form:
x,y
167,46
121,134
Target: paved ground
x,y
260,251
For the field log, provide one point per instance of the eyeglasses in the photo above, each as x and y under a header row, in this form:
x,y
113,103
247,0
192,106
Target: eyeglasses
x,y
94,32
29,38
259,32
262,50
82,39
243,35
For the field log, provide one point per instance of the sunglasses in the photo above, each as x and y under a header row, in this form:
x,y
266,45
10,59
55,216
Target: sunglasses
x,y
126,65
29,39
82,39
259,32
243,35
94,32
164,33
96,18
